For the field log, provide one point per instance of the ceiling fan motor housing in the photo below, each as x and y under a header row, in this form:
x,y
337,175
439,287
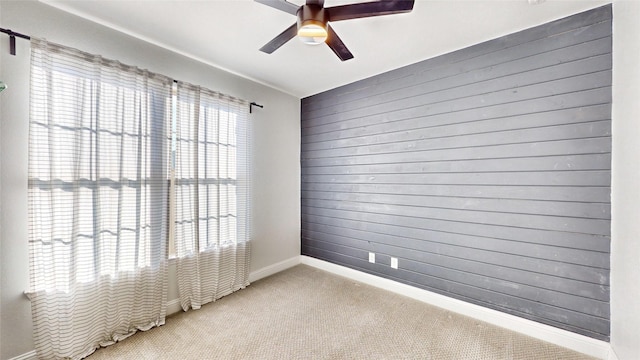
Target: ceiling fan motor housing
x,y
312,15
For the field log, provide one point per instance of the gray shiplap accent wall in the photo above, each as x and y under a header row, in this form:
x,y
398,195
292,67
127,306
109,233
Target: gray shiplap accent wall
x,y
486,171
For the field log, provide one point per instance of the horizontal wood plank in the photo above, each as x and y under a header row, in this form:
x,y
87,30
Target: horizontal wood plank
x,y
533,207
588,194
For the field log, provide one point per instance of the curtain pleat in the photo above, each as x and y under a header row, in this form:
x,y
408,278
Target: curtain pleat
x,y
98,204
212,192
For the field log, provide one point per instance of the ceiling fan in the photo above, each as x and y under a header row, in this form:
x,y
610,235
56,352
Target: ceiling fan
x,y
313,26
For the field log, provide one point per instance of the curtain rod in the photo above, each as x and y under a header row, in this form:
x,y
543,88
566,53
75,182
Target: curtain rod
x,y
12,39
12,49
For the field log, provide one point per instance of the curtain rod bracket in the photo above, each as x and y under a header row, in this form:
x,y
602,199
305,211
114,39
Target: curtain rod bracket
x,y
12,45
12,39
254,104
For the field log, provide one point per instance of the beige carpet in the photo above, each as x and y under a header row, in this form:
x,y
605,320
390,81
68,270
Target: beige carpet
x,y
305,313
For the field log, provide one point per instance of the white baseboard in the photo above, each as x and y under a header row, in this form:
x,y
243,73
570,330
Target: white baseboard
x,y
567,339
173,306
31,355
273,269
612,355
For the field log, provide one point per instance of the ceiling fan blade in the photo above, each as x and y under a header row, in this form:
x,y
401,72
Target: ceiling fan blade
x,y
316,2
338,47
281,39
368,9
281,5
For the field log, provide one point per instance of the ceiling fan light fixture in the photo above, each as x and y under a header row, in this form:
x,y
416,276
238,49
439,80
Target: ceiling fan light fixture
x,y
312,33
312,24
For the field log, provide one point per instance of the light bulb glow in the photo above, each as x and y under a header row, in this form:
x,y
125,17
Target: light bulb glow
x,y
312,34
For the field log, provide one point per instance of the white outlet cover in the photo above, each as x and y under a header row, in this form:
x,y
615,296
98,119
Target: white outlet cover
x,y
394,262
372,258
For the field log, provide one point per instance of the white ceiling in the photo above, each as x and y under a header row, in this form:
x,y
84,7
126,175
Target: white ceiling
x,y
228,33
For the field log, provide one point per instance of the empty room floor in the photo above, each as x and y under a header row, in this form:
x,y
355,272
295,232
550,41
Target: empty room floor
x,y
306,313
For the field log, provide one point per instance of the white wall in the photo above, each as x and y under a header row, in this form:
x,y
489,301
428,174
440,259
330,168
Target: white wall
x,y
277,149
15,314
1,79
625,182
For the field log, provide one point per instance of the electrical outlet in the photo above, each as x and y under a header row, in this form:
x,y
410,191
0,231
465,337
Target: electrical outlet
x,y
372,258
394,262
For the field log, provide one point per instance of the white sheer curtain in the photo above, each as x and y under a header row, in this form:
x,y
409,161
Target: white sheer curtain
x,y
212,195
98,200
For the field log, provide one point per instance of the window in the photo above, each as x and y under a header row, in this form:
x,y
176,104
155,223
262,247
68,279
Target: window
x,y
212,194
97,171
119,159
210,142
